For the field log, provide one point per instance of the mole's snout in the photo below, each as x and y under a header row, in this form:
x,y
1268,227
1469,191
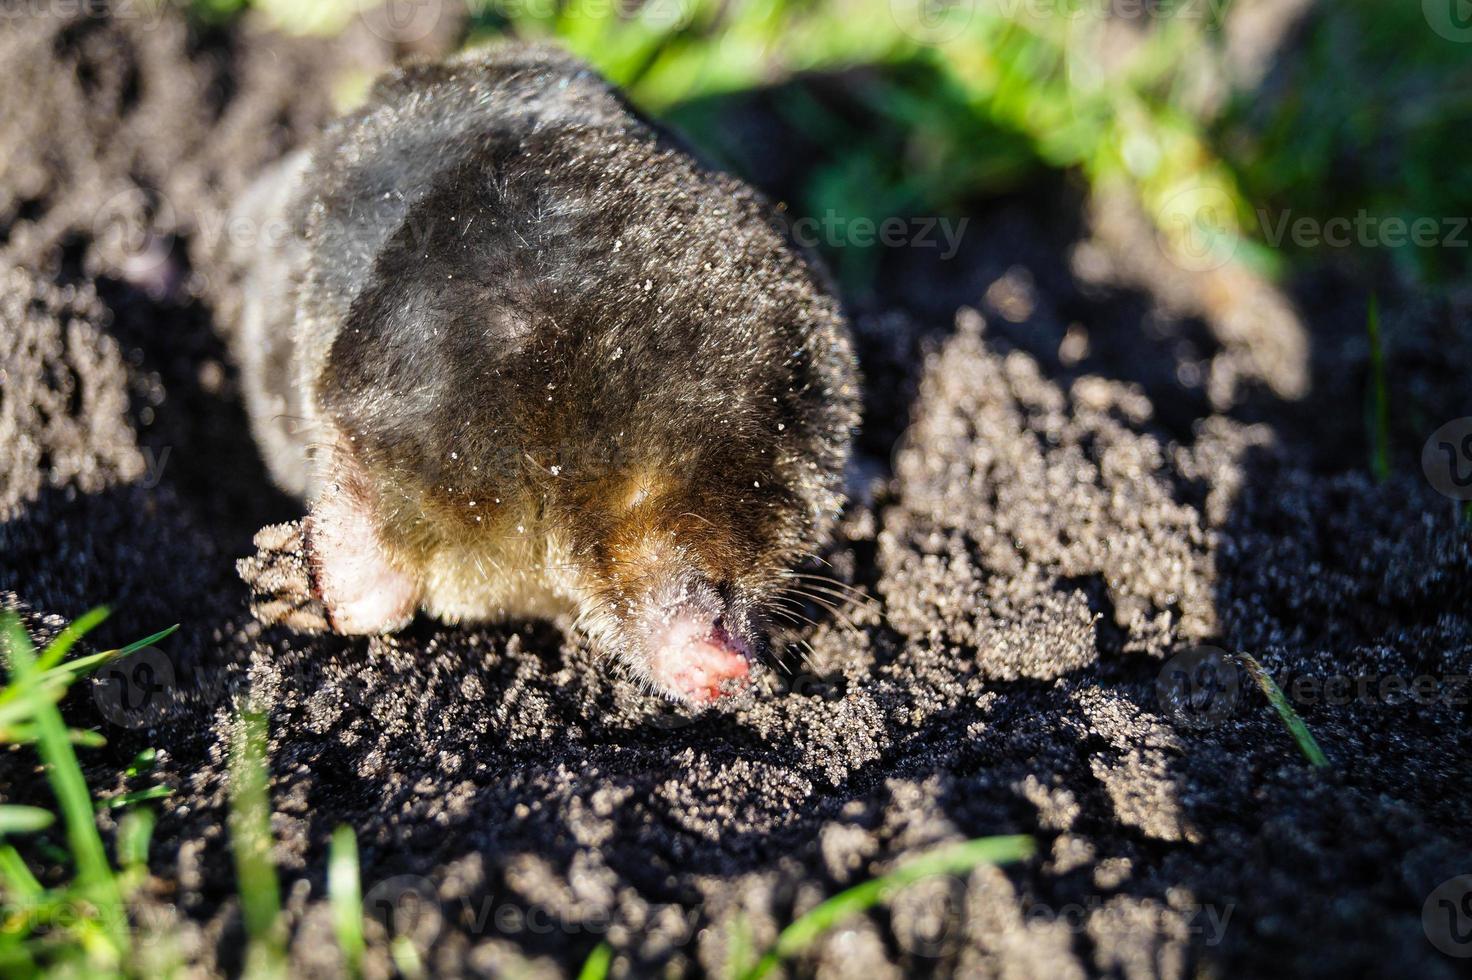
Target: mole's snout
x,y
696,646
697,660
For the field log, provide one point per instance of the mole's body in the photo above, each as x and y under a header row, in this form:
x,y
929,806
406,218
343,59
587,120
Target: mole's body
x,y
525,357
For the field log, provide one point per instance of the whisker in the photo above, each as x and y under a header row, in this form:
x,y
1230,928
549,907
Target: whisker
x,y
833,583
796,616
860,601
829,606
691,513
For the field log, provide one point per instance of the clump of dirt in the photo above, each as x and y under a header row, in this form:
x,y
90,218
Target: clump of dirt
x,y
63,419
1064,509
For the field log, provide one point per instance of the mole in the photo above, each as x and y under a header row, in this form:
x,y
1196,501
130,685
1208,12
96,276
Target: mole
x,y
522,354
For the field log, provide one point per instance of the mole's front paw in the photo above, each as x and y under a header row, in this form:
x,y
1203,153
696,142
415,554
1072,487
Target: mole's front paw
x,y
361,588
280,579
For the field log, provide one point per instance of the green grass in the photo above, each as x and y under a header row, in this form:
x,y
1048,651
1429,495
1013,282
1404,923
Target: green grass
x,y
82,924
1307,744
595,967
406,958
345,892
251,843
255,869
950,859
1372,114
1006,98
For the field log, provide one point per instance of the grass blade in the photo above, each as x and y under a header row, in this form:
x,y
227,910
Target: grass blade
x,y
406,958
29,734
53,742
136,796
20,711
739,951
23,819
346,894
135,832
92,661
86,738
16,876
1305,739
250,836
953,859
595,967
147,641
78,628
142,762
82,665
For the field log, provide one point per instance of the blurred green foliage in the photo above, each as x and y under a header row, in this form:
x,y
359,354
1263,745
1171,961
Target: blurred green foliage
x,y
72,918
1371,112
962,100
953,101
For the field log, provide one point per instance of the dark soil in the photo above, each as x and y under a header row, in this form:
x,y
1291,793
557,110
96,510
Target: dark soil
x,y
1071,471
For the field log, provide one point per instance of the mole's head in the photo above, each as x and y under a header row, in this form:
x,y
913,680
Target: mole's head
x,y
644,386
677,567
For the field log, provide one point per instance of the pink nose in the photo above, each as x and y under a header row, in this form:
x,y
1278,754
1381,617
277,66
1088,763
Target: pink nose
x,y
698,662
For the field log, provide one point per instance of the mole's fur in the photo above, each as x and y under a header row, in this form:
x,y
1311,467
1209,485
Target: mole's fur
x,y
524,356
